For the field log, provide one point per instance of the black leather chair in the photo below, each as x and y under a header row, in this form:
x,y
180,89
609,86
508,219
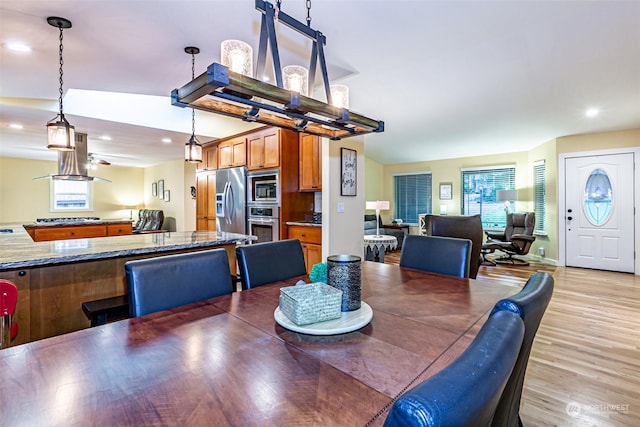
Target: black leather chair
x,y
465,393
269,262
170,281
461,227
444,255
530,304
516,239
149,220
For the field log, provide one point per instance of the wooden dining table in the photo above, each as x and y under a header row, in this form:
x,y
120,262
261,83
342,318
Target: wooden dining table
x,y
226,362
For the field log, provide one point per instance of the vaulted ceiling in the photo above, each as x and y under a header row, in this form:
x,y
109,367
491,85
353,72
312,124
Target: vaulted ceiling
x,y
449,78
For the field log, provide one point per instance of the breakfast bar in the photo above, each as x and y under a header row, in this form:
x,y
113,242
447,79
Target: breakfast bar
x,y
55,277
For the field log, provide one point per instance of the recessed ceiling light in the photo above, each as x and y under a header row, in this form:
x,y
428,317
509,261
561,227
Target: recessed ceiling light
x,y
16,126
105,138
19,47
592,112
166,140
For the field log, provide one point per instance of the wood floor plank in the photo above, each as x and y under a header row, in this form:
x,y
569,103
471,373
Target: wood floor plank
x,y
584,368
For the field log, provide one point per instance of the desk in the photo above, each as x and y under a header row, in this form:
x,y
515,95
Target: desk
x,y
375,246
404,227
226,362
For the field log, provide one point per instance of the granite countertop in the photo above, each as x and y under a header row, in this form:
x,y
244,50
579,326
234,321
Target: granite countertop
x,y
18,250
305,223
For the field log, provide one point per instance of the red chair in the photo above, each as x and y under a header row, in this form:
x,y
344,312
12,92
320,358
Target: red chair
x,y
8,301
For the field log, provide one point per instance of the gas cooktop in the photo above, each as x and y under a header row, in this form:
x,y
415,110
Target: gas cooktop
x,y
67,220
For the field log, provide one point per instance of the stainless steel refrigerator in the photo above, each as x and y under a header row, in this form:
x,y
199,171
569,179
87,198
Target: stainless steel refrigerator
x,y
231,198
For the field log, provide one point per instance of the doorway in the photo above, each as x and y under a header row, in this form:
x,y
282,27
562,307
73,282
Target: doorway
x,y
597,222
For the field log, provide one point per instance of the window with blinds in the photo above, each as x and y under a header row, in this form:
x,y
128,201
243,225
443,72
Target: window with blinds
x,y
539,195
70,196
479,186
412,196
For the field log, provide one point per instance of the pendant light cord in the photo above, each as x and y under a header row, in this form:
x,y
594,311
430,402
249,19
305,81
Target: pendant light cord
x,y
60,80
193,110
309,13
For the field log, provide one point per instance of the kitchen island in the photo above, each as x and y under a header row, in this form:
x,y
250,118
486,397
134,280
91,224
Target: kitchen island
x,y
54,278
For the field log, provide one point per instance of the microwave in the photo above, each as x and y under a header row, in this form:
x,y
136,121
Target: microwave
x,y
263,188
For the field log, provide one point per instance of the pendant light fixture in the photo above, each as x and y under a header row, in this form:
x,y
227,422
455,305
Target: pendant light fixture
x,y
223,90
193,149
238,56
60,134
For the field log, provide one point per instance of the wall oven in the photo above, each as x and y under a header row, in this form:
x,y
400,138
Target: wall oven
x,y
263,188
263,222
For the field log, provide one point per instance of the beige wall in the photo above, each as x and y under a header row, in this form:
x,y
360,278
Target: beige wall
x,y
342,233
598,141
22,199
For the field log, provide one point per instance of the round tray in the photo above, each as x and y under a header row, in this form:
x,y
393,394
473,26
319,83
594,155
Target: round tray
x,y
349,321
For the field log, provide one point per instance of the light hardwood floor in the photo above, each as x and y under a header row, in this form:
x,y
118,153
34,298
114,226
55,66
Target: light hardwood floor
x,y
584,368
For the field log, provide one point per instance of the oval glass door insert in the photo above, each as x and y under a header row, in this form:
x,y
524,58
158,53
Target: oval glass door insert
x,y
598,197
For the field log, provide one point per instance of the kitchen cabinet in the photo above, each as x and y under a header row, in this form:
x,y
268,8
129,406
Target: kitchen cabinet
x,y
78,231
263,149
310,163
209,159
311,239
232,153
206,201
119,229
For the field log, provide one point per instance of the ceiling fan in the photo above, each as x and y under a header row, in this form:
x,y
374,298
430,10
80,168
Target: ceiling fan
x,y
94,162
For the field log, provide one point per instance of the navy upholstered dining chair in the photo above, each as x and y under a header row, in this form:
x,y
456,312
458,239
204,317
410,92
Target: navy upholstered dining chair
x,y
269,262
465,393
530,304
170,281
444,255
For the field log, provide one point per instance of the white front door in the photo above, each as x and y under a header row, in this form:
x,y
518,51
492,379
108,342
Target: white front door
x,y
599,216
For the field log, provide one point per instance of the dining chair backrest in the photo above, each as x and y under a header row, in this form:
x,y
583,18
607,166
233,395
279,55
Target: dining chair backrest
x,y
170,281
530,304
465,393
444,255
269,262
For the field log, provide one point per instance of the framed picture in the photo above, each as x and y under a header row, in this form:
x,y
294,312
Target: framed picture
x,y
154,189
161,188
348,172
446,191
166,196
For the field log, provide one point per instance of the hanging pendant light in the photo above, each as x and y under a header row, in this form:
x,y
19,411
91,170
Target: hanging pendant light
x,y
340,96
296,79
238,56
193,149
60,134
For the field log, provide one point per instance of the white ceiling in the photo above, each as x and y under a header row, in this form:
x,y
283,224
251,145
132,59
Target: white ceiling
x,y
449,78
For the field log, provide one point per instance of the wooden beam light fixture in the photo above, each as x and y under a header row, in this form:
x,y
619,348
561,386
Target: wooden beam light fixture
x,y
224,91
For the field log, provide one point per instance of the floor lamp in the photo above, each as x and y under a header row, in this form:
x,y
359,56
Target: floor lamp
x,y
378,205
507,196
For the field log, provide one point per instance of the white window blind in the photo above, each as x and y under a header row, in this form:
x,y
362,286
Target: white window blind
x,y
412,196
479,186
539,195
69,195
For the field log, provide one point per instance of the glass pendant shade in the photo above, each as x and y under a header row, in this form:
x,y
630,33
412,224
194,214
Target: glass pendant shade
x,y
193,150
237,56
296,79
61,136
340,96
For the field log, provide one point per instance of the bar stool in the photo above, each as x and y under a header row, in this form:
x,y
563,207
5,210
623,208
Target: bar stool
x,y
8,301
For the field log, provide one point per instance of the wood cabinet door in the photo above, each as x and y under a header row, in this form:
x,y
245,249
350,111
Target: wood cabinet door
x,y
263,150
119,229
312,255
225,155
206,201
239,152
310,174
